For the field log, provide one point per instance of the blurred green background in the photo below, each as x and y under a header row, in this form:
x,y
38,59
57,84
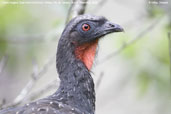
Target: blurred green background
x,y
135,81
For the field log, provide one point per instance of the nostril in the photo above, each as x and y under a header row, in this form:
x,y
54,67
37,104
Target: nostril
x,y
111,25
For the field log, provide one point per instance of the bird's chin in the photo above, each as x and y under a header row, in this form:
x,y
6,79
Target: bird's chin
x,y
104,33
109,31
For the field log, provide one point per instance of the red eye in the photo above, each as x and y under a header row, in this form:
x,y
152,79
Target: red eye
x,y
86,27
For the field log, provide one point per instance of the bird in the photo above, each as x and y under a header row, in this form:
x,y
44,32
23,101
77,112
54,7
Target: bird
x,y
76,51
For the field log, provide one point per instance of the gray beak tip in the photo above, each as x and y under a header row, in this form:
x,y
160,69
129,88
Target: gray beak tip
x,y
113,27
118,28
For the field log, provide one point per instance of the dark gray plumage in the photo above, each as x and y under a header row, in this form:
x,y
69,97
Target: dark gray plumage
x,y
75,94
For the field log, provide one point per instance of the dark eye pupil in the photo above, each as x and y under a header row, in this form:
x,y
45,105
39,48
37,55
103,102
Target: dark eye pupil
x,y
86,26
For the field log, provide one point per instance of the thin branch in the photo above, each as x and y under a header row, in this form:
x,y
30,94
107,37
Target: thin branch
x,y
69,12
3,63
77,8
99,80
3,102
169,38
48,87
29,86
138,37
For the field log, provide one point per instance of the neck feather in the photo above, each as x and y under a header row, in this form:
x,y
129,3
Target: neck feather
x,y
77,86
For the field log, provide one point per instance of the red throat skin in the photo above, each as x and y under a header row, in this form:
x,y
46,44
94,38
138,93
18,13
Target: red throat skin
x,y
86,53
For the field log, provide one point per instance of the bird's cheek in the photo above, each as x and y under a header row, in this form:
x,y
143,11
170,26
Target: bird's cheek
x,y
74,37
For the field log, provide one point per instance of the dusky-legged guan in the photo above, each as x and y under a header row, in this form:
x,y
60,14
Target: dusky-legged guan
x,y
75,55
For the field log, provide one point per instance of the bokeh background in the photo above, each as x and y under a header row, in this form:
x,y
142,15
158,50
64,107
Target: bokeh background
x,y
131,71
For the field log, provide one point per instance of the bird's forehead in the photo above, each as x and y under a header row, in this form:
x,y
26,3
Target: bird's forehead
x,y
89,17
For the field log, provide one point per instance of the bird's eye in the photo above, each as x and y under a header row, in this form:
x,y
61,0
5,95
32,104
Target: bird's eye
x,y
85,27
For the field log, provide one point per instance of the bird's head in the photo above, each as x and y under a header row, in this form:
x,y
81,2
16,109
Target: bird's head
x,y
84,31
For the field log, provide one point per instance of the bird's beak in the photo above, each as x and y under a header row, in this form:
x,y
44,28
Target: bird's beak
x,y
111,27
108,28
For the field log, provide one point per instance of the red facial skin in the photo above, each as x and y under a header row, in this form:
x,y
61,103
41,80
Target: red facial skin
x,y
86,53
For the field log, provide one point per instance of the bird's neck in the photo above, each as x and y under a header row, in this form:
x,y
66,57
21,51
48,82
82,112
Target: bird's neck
x,y
76,86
